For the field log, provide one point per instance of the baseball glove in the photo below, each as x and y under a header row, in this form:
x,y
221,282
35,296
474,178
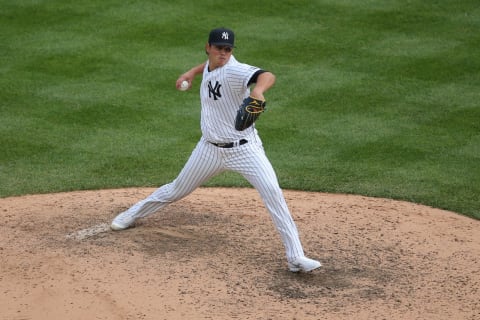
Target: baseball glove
x,y
249,112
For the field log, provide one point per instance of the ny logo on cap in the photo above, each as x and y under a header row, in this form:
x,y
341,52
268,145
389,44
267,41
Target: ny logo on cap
x,y
225,35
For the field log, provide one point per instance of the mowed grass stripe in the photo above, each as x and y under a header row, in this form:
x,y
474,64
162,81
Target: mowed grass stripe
x,y
374,98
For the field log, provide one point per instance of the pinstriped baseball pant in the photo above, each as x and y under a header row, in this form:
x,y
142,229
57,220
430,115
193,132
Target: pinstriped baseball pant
x,y
250,161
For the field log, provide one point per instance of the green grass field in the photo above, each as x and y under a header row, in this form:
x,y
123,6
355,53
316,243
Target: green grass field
x,y
379,98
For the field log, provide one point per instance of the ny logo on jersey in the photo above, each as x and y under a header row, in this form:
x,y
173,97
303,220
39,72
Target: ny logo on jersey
x,y
215,91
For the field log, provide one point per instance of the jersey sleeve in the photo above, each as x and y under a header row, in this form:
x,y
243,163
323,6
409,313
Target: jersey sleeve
x,y
254,77
239,76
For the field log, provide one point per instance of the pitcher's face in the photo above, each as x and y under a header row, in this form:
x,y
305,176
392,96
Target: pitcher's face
x,y
218,56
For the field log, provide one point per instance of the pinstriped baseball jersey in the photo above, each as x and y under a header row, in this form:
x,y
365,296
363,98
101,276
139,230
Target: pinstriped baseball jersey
x,y
222,92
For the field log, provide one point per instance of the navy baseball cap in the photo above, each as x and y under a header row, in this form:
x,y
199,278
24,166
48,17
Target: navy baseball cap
x,y
221,37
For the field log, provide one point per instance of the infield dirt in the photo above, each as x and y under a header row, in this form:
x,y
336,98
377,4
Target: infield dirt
x,y
214,255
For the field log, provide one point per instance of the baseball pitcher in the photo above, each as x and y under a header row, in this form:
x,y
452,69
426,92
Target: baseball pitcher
x,y
232,99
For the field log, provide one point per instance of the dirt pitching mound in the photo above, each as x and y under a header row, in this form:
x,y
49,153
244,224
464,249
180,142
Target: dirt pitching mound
x,y
213,255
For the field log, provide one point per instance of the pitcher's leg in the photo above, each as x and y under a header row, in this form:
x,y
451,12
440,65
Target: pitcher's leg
x,y
259,172
253,164
203,163
277,206
266,184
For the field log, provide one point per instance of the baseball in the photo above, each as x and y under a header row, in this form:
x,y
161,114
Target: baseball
x,y
184,85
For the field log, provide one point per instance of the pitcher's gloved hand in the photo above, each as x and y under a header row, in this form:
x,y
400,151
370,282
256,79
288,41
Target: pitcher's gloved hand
x,y
249,112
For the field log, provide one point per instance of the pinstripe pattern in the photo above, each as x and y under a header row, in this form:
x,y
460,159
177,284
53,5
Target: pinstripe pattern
x,y
222,91
203,164
218,116
251,162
